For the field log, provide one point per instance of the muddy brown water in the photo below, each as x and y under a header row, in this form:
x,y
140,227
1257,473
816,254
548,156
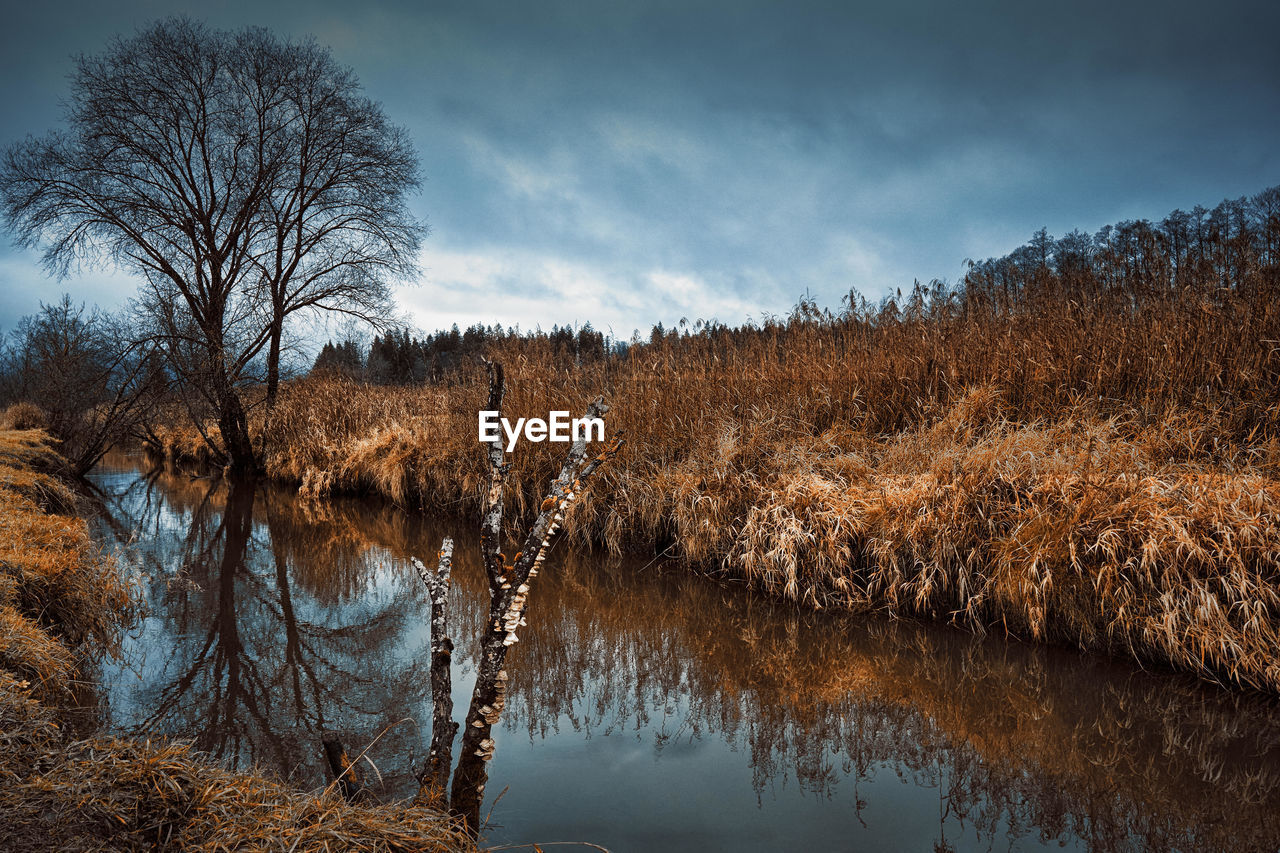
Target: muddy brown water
x,y
654,710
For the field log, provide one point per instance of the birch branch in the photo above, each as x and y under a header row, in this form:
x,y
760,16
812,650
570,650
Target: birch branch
x,y
491,520
508,596
434,778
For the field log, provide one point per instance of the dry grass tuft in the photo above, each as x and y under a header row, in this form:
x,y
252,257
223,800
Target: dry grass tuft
x,y
108,794
24,415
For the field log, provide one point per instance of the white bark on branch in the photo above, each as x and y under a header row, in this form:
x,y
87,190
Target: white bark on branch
x,y
434,778
508,596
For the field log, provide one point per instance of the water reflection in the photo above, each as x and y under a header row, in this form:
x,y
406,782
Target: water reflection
x,y
260,634
653,710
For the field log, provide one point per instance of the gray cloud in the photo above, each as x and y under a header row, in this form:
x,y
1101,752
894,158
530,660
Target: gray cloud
x,y
629,163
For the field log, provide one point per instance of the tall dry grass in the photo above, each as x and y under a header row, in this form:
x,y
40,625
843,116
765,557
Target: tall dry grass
x,y
1097,465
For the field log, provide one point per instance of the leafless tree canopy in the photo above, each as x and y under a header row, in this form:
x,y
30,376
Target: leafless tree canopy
x,y
244,178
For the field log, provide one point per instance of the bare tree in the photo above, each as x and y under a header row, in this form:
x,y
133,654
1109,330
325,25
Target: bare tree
x,y
242,177
80,366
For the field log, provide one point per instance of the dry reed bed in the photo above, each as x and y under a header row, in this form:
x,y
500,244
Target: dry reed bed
x,y
62,605
1080,530
1066,469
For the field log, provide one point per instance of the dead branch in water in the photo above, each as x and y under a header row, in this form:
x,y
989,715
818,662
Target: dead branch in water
x,y
508,596
344,770
434,778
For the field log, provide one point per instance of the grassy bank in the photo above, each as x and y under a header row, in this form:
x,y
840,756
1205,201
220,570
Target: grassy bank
x,y
62,605
1095,467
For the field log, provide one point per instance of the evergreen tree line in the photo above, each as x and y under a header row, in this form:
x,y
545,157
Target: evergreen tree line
x,y
398,357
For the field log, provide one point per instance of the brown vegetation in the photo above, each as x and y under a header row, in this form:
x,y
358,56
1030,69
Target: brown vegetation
x,y
58,600
61,605
1078,450
24,416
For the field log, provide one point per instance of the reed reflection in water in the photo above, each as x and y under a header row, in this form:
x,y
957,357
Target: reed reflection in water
x,y
655,710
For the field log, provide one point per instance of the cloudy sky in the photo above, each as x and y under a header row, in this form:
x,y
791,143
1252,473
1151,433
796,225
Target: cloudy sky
x,y
628,163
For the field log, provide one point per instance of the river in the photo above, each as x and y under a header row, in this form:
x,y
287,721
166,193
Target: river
x,y
650,709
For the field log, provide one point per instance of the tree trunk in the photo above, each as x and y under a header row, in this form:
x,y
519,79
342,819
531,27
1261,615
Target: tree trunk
x,y
234,426
508,595
508,592
433,782
273,377
487,700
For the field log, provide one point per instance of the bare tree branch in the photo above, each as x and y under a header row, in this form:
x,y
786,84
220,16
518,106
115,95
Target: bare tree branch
x,y
245,178
433,781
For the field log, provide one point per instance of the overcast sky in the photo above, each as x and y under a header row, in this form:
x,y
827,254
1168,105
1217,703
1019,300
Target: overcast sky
x,y
628,163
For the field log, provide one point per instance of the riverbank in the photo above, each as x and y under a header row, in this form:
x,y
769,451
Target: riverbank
x,y
1104,506
62,605
633,681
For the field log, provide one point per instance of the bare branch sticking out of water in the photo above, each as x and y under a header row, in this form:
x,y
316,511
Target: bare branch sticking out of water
x,y
508,594
343,768
434,778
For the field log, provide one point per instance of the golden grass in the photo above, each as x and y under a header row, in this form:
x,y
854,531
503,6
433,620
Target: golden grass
x,y
24,415
60,601
61,605
1065,469
110,794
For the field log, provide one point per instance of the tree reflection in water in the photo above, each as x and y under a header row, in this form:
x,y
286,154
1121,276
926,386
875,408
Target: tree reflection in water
x,y
274,619
263,631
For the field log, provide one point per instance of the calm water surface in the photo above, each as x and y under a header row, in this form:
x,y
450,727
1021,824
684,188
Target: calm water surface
x,y
651,710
